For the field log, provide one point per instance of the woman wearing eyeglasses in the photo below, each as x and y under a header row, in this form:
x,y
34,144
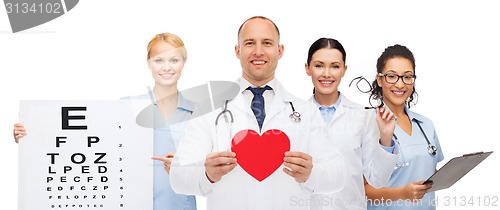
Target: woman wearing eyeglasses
x,y
364,137
419,145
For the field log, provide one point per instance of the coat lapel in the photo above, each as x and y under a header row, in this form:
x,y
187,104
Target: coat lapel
x,y
344,105
281,100
242,105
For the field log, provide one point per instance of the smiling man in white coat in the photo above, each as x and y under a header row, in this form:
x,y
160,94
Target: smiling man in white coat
x,y
275,154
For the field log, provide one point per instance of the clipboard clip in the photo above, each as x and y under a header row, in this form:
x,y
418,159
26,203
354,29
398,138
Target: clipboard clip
x,y
472,154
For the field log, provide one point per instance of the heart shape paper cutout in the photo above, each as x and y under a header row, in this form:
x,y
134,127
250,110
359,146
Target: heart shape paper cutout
x,y
260,156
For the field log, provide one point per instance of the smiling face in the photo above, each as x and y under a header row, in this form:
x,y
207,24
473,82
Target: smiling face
x,y
166,64
326,69
395,95
258,50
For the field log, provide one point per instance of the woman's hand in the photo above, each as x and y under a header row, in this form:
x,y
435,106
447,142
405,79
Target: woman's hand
x,y
167,161
386,122
415,191
19,131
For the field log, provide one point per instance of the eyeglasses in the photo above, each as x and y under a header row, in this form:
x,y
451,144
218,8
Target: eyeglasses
x,y
393,78
365,87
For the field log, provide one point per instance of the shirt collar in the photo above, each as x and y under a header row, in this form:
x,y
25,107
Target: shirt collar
x,y
182,103
412,115
244,84
333,106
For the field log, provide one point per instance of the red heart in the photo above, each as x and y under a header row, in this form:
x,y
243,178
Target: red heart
x,y
259,155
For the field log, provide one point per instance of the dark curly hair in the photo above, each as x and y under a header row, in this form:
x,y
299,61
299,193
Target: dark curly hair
x,y
395,51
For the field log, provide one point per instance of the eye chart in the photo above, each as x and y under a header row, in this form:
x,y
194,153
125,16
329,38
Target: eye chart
x,y
85,155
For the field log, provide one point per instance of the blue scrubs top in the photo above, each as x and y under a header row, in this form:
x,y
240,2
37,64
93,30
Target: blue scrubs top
x,y
420,164
166,139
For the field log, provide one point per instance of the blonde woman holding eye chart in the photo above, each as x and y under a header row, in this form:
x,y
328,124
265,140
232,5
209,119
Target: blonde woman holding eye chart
x,y
166,56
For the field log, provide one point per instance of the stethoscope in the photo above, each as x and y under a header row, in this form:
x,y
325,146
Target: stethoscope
x,y
294,116
431,149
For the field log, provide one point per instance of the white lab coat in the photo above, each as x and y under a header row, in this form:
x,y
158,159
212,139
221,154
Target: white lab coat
x,y
355,132
237,189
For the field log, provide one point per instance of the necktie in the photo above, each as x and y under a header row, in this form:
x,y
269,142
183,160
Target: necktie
x,y
258,104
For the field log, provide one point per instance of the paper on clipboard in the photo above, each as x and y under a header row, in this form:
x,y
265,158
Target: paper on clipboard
x,y
455,169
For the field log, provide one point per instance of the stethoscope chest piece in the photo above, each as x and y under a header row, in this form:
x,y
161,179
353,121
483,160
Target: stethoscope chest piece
x,y
295,116
432,150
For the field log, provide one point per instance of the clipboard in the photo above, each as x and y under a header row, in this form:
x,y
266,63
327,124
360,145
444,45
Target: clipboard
x,y
455,169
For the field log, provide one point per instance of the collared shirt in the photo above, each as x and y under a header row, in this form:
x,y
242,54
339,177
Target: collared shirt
x,y
328,112
421,165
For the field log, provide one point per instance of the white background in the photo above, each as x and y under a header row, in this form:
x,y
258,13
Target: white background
x,y
98,51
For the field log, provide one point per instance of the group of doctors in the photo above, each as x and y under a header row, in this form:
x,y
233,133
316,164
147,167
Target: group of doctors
x,y
339,154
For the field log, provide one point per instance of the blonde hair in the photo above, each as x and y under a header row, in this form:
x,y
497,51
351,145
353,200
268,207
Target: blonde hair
x,y
168,38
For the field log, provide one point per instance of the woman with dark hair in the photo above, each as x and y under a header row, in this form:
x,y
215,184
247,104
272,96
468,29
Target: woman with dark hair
x,y
364,137
419,145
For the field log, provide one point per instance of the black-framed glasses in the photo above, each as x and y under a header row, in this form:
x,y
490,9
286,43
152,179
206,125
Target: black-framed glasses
x,y
393,78
364,86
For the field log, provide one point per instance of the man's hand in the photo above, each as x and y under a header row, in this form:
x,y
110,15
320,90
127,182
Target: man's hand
x,y
298,165
219,164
